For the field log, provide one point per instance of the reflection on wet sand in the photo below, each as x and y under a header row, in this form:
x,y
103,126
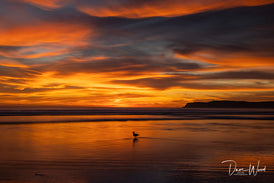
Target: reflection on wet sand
x,y
134,140
167,151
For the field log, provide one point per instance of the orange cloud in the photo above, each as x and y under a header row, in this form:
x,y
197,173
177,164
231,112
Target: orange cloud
x,y
47,4
12,63
45,33
135,9
232,60
148,76
163,8
34,52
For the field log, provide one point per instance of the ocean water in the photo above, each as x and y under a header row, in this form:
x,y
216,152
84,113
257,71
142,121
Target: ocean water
x,y
175,145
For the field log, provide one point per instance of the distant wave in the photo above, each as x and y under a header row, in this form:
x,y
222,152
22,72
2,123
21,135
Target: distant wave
x,y
135,119
139,111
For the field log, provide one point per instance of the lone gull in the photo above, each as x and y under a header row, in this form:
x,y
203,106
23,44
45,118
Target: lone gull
x,y
135,134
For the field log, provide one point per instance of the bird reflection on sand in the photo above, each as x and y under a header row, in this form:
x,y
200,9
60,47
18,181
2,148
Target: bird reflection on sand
x,y
135,140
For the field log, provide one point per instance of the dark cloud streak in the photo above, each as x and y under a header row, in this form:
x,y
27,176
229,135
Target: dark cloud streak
x,y
203,81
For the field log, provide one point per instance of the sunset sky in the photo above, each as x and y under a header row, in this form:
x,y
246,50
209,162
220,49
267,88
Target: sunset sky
x,y
135,53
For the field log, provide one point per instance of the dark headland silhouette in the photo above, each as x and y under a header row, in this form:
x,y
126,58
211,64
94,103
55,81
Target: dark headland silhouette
x,y
230,104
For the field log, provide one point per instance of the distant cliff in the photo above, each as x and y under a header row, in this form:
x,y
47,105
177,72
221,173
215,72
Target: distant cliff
x,y
230,104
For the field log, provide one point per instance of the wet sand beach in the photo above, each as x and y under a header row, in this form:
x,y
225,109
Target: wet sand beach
x,y
169,149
